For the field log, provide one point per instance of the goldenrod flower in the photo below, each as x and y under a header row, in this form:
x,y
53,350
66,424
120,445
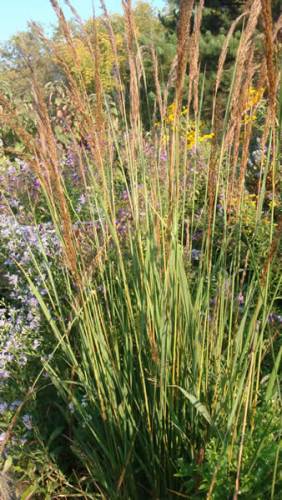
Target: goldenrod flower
x,y
192,138
253,99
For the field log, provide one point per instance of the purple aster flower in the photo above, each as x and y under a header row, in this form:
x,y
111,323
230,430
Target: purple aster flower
x,y
27,421
15,404
32,301
3,436
4,374
82,199
240,299
36,184
70,159
23,360
36,344
14,203
11,171
163,156
3,407
24,166
75,177
125,195
13,279
195,254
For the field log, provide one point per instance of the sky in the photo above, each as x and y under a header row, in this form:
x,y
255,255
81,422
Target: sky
x,y
15,14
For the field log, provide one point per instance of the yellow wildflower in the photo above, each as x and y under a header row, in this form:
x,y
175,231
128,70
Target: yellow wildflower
x,y
273,204
249,118
171,111
254,97
192,138
170,116
184,111
206,137
164,139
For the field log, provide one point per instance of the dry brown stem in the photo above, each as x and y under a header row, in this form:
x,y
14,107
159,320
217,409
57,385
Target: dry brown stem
x,y
194,50
134,88
116,68
223,55
269,52
183,34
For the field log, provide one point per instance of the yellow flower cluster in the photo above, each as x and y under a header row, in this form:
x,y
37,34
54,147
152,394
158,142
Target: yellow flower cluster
x,y
274,204
192,136
248,202
247,118
170,115
171,111
253,100
254,97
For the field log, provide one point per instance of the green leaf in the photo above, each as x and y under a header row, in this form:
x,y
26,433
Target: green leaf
x,y
273,380
201,409
27,494
8,464
54,435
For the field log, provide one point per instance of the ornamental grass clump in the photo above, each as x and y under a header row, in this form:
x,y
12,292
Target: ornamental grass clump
x,y
161,305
